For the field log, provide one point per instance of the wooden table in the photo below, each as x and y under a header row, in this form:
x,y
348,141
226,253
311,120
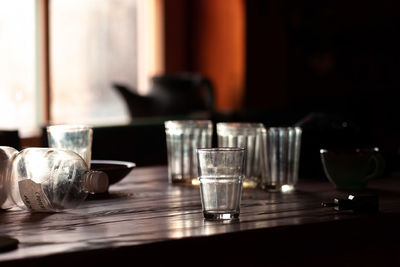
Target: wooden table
x,y
144,220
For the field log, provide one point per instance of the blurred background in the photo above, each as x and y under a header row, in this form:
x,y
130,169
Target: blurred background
x,y
331,67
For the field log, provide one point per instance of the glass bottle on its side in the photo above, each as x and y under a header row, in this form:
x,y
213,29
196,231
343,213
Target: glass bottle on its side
x,y
46,179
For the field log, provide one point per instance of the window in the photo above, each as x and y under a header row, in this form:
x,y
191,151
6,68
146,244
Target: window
x,y
91,44
18,102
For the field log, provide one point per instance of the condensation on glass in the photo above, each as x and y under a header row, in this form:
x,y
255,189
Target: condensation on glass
x,y
93,44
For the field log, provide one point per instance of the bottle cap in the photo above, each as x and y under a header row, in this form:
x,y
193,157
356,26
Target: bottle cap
x,y
96,182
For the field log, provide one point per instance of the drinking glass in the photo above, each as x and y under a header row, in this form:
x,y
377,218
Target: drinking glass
x,y
280,158
183,138
247,135
77,138
221,173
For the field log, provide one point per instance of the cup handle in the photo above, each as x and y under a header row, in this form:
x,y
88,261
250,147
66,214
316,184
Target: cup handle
x,y
379,163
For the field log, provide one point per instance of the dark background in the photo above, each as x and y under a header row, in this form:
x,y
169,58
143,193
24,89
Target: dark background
x,y
330,66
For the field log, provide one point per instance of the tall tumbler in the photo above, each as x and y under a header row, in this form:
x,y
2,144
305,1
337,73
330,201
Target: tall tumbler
x,y
246,135
280,158
183,138
221,172
77,138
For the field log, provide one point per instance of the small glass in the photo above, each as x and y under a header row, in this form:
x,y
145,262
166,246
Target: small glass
x,y
183,138
280,158
221,174
247,135
77,138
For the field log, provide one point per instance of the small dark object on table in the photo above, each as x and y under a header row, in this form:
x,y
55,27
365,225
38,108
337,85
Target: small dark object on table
x,y
356,203
8,243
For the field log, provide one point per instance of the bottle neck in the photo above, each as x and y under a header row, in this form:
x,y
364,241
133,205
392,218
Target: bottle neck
x,y
96,182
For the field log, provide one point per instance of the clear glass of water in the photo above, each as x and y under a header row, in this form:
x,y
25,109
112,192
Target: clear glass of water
x,y
221,174
247,135
77,138
280,148
183,138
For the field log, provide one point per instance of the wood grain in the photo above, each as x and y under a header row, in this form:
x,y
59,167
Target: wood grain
x,y
146,219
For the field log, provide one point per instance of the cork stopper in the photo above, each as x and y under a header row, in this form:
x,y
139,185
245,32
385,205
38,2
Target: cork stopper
x,y
96,182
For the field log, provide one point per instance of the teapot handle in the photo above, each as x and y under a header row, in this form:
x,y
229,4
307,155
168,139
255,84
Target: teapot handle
x,y
209,99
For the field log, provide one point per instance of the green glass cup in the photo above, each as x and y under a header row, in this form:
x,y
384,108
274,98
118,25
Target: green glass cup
x,y
352,169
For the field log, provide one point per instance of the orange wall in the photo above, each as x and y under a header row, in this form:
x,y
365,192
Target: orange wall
x,y
176,29
219,48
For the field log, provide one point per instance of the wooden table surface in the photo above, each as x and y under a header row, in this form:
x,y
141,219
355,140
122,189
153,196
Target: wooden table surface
x,y
145,220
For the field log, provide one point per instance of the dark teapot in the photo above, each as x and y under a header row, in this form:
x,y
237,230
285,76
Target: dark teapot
x,y
171,94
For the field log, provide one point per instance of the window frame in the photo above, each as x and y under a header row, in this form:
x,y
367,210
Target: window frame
x,y
43,60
